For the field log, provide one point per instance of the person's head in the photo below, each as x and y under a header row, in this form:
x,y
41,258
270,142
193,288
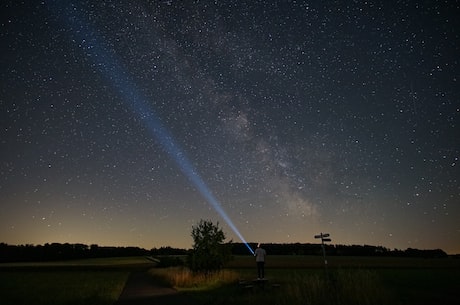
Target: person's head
x,y
259,245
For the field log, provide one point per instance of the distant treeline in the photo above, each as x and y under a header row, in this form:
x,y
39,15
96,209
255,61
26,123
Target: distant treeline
x,y
58,251
338,250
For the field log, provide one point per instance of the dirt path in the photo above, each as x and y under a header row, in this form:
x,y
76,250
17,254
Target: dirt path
x,y
141,289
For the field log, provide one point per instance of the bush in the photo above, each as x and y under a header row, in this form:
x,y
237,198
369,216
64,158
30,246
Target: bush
x,y
209,253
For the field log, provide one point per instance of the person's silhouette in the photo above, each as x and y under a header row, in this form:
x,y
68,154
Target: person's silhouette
x,y
260,260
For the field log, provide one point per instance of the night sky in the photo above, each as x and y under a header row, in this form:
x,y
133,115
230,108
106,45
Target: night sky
x,y
296,117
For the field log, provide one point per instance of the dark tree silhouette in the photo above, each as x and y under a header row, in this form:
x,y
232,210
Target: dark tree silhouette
x,y
209,253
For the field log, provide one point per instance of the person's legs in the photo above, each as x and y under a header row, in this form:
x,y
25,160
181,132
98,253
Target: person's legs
x,y
259,269
262,267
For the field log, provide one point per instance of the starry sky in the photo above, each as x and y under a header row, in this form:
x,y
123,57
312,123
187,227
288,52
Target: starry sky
x,y
297,117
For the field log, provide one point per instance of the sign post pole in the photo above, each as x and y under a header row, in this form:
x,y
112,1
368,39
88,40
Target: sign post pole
x,y
324,238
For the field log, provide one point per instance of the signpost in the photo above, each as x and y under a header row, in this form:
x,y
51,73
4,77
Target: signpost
x,y
324,238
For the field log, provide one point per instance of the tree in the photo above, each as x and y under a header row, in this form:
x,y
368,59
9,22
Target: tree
x,y
209,254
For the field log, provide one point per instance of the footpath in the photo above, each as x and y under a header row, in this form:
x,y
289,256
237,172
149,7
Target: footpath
x,y
141,289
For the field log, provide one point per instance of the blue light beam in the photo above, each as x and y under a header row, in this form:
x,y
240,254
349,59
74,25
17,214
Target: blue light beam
x,y
108,65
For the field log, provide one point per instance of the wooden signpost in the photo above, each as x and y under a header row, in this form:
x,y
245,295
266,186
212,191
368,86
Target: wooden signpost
x,y
324,238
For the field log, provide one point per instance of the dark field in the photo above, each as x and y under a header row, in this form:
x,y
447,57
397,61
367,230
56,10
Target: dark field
x,y
298,279
402,280
90,281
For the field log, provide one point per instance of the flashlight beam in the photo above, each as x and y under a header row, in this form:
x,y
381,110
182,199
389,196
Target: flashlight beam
x,y
109,67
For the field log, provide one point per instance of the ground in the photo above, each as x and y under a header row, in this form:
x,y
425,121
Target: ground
x,y
142,289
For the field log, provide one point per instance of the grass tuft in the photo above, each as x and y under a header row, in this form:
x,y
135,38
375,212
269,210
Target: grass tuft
x,y
183,279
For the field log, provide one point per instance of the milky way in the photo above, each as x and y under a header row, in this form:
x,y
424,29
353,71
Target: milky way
x,y
300,117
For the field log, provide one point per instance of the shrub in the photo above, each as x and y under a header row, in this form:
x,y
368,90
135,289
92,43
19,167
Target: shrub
x,y
209,254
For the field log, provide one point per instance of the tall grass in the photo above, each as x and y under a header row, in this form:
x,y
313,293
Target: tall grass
x,y
340,287
184,279
306,289
358,287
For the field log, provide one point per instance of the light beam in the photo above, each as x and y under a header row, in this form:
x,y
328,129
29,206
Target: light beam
x,y
108,65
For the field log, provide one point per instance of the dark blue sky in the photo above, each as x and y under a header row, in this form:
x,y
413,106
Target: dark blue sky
x,y
300,117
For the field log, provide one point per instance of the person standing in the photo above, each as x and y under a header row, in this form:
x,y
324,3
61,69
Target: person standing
x,y
260,260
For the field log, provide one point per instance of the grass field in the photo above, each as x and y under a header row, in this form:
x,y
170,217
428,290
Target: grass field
x,y
90,281
302,262
298,279
350,280
61,287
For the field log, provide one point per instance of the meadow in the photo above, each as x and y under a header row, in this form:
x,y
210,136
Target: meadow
x,y
89,281
290,280
304,280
